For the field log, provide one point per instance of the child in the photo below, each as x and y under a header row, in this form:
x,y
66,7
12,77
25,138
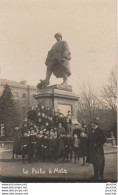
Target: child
x,y
43,118
39,122
51,134
60,130
51,122
76,147
48,111
17,140
39,145
28,133
53,148
45,148
47,126
70,147
65,154
55,131
61,146
83,149
24,145
32,146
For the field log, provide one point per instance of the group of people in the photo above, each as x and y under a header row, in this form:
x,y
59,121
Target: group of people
x,y
46,119
47,135
53,145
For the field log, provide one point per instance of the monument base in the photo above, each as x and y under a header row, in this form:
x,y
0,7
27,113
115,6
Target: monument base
x,y
59,99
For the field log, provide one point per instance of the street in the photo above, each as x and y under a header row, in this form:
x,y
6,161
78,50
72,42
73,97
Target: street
x,y
72,170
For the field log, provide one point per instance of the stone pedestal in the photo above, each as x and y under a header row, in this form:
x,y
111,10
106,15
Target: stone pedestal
x,y
60,99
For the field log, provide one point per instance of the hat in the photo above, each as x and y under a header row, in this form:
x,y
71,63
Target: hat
x,y
58,34
75,124
96,121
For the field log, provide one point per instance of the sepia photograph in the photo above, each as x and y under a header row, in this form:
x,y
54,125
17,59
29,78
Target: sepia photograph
x,y
58,91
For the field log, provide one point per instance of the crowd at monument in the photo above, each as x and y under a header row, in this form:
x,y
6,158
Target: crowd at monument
x,y
46,135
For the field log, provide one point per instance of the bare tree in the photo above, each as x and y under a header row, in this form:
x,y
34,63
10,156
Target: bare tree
x,y
89,103
109,95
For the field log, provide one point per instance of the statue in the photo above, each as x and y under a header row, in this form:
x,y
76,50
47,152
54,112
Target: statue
x,y
57,62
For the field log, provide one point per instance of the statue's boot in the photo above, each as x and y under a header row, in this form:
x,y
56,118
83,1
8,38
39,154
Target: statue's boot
x,y
47,79
65,77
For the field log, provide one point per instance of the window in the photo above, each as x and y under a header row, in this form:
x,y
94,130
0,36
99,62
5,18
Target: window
x,y
24,95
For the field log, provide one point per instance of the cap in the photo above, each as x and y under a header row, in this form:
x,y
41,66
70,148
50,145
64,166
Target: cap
x,y
58,34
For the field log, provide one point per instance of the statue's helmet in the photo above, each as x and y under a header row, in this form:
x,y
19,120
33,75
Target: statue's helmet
x,y
58,35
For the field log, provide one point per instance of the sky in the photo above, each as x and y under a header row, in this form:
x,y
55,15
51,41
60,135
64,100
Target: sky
x,y
27,29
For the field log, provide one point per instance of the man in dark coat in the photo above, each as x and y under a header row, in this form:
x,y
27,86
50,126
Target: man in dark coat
x,y
17,138
57,61
96,151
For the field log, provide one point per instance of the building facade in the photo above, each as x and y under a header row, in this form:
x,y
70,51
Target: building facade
x,y
23,94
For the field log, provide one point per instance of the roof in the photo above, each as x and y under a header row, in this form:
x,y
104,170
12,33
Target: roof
x,y
15,83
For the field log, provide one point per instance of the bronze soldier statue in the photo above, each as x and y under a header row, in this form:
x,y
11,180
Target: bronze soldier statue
x,y
57,61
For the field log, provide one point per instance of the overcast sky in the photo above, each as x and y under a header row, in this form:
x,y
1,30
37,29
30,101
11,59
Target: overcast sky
x,y
27,29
